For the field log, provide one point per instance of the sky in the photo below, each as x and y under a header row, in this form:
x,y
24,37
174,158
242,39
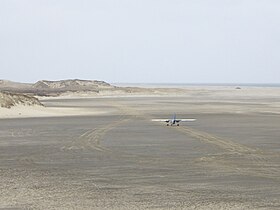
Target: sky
x,y
141,41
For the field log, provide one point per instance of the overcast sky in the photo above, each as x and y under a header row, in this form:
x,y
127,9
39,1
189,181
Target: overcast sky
x,y
146,41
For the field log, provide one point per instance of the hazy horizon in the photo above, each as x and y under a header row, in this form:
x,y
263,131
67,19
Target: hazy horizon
x,y
163,83
158,41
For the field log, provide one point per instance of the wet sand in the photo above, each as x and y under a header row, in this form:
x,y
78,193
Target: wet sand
x,y
228,159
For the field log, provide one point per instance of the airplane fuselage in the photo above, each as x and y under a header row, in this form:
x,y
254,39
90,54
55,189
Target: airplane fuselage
x,y
173,120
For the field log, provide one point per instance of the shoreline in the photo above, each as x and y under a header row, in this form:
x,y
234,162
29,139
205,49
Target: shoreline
x,y
190,85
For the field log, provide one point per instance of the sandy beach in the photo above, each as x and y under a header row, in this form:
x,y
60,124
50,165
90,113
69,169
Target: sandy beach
x,y
38,111
139,105
106,153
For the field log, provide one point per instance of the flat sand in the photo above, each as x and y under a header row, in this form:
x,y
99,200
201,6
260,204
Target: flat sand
x,y
39,111
106,153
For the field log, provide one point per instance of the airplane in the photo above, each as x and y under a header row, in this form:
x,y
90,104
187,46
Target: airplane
x,y
173,120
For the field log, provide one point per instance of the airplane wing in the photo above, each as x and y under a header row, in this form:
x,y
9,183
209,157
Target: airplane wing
x,y
160,120
186,120
177,120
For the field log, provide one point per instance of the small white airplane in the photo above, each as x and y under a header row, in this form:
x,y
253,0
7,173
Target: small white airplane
x,y
173,120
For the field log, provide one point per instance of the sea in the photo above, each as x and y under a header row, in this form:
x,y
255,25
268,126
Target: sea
x,y
178,85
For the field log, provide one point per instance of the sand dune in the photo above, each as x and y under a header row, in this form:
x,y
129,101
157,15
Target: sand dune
x,y
80,87
8,100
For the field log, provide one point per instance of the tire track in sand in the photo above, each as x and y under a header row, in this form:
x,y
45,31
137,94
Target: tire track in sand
x,y
91,139
224,144
238,157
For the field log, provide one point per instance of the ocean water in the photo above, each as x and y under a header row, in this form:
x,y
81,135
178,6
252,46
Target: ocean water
x,y
178,85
